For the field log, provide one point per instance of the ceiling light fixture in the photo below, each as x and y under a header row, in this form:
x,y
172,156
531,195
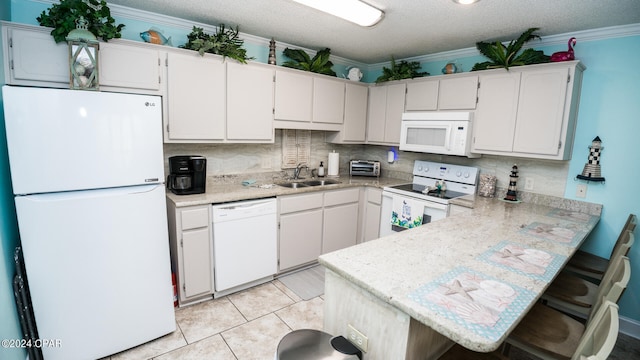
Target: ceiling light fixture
x,y
465,2
355,11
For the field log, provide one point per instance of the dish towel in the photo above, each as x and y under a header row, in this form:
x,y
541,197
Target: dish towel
x,y
406,213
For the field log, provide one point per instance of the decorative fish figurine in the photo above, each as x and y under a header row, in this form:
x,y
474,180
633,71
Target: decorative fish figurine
x,y
155,37
565,55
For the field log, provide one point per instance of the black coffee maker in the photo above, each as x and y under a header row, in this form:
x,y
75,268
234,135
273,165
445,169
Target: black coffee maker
x,y
187,174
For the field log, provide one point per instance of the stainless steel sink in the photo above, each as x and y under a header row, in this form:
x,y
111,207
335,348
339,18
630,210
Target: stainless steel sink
x,y
299,184
293,185
320,182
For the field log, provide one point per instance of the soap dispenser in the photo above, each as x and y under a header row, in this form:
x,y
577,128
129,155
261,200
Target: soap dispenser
x,y
321,170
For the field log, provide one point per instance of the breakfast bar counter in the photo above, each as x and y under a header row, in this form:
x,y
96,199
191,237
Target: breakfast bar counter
x,y
467,279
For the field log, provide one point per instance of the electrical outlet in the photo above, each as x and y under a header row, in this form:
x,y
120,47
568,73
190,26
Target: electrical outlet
x,y
581,191
357,338
528,183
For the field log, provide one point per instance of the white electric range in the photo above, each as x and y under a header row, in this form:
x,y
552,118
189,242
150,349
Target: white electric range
x,y
427,197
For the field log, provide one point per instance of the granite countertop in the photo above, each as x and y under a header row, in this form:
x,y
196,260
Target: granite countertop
x,y
471,277
230,188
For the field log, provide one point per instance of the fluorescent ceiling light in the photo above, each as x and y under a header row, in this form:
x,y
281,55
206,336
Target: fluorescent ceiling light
x,y
355,11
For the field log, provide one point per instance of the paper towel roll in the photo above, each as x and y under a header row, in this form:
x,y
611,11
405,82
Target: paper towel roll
x,y
334,164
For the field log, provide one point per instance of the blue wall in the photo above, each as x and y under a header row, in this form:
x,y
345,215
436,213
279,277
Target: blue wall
x,y
609,108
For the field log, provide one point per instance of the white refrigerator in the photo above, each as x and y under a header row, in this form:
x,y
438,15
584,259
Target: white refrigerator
x,y
88,176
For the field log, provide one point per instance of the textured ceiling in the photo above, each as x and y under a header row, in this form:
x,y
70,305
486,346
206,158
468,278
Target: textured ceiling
x,y
409,28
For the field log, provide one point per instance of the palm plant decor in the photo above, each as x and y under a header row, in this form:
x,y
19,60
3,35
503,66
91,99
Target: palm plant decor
x,y
300,60
505,56
399,71
224,42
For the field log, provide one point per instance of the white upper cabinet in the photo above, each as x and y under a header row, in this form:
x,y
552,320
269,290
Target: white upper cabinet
x,y
294,96
386,105
25,64
328,101
249,102
308,101
126,67
458,93
355,116
447,92
422,95
528,111
196,109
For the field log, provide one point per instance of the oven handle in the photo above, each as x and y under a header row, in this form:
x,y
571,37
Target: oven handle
x,y
426,203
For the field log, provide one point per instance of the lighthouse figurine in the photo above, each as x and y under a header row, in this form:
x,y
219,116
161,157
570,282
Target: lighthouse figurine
x,y
511,191
591,171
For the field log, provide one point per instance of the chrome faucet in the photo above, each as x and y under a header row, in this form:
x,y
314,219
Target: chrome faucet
x,y
296,172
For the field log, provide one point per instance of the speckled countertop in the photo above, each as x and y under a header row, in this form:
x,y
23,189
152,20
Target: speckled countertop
x,y
230,188
471,277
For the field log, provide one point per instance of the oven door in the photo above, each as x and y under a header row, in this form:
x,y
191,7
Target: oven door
x,y
394,217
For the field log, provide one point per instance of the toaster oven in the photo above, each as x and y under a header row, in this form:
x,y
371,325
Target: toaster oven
x,y
364,168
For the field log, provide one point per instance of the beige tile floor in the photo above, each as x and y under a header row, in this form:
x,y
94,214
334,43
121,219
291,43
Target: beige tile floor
x,y
241,326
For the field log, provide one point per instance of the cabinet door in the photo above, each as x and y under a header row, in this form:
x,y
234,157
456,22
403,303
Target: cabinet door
x,y
376,114
328,101
541,111
494,124
293,96
130,67
196,262
458,93
395,108
196,108
249,102
300,238
340,227
422,95
355,113
371,221
27,64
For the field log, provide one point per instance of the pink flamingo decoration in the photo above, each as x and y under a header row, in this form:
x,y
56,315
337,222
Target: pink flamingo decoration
x,y
565,55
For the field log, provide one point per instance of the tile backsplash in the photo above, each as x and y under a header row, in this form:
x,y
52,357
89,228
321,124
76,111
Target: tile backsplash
x,y
549,176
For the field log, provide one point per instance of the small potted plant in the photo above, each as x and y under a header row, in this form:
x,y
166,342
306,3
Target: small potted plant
x,y
62,18
300,60
402,70
505,56
225,42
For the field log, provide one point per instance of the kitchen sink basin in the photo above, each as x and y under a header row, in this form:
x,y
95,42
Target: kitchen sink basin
x,y
299,184
320,182
293,185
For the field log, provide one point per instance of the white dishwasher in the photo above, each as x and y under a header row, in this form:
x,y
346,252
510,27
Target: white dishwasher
x,y
245,243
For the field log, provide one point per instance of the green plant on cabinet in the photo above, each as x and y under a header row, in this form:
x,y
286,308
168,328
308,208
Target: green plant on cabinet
x,y
62,18
224,42
300,60
401,70
505,56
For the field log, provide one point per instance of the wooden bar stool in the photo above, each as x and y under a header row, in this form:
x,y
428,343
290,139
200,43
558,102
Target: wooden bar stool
x,y
594,266
570,291
550,334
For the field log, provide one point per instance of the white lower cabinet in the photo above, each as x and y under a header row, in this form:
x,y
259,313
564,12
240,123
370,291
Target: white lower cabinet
x,y
340,223
191,243
372,206
300,235
315,223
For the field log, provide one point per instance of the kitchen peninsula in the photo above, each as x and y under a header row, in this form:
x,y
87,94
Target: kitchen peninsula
x,y
468,278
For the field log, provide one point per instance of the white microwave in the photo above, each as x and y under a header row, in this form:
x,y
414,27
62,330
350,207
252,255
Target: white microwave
x,y
436,132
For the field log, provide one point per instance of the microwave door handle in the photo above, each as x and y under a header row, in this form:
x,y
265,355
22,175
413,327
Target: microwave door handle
x,y
447,138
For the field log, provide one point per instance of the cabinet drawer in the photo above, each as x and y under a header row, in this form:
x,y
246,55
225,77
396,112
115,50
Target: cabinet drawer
x,y
374,196
295,203
338,197
195,218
